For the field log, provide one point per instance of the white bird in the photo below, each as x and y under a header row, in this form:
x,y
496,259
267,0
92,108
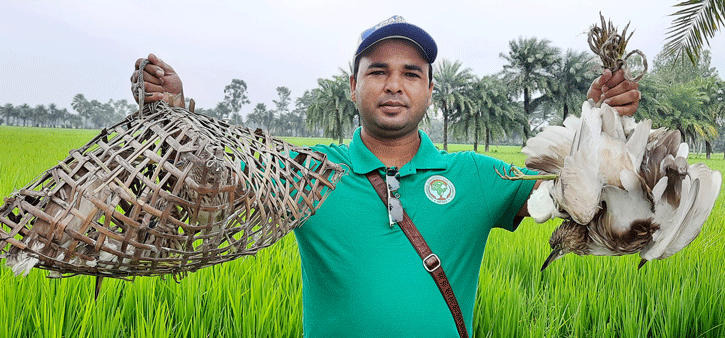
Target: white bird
x,y
63,222
624,189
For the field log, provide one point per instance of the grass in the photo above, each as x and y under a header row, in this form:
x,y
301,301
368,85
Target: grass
x,y
260,296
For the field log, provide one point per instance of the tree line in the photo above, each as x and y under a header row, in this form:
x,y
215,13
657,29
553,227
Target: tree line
x,y
90,114
538,86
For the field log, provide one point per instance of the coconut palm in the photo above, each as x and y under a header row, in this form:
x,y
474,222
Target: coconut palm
x,y
568,87
683,109
492,112
694,107
54,115
712,112
529,69
697,20
261,117
82,106
25,112
9,111
466,115
449,91
331,109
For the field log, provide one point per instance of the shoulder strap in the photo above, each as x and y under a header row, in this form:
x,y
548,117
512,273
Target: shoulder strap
x,y
431,262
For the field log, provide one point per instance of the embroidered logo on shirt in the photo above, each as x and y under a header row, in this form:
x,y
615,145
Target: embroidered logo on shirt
x,y
439,189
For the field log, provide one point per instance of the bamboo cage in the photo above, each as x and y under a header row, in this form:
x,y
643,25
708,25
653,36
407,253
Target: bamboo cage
x,y
165,191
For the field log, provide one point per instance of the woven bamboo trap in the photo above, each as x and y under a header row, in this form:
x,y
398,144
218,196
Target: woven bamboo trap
x,y
165,191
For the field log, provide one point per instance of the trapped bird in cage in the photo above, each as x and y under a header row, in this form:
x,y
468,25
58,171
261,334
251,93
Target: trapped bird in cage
x,y
165,191
621,187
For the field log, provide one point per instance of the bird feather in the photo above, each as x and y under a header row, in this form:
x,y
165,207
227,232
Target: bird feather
x,y
681,225
546,151
577,190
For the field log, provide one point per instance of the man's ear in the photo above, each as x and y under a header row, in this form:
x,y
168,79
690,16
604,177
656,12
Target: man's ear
x,y
430,93
353,85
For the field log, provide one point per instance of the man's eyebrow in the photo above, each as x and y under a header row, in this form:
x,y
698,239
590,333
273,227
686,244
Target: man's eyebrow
x,y
385,65
413,67
378,65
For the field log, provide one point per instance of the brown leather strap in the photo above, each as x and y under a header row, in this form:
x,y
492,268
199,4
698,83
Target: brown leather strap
x,y
431,262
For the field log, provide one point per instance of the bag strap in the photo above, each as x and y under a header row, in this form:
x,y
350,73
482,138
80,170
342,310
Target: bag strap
x,y
431,262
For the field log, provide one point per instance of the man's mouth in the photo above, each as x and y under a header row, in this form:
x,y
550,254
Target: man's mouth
x,y
392,106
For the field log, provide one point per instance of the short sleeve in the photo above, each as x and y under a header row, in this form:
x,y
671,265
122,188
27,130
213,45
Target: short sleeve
x,y
503,197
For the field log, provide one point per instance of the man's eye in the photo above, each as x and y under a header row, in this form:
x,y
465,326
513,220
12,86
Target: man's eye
x,y
413,75
377,72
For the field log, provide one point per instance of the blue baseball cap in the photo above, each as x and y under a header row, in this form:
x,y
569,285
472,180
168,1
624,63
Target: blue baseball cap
x,y
397,28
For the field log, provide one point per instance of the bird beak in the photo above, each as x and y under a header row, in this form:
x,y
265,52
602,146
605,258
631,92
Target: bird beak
x,y
641,263
554,255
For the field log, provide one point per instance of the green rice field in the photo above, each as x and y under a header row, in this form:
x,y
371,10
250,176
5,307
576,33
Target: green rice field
x,y
682,296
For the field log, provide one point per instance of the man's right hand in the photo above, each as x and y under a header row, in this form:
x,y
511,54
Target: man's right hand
x,y
160,80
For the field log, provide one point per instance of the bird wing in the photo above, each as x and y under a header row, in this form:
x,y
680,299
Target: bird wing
x,y
546,151
612,123
578,188
637,142
662,142
679,225
619,153
541,205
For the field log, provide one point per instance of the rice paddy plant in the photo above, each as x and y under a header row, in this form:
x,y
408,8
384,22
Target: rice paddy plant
x,y
681,296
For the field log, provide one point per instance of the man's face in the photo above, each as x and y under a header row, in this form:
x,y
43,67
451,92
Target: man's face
x,y
392,90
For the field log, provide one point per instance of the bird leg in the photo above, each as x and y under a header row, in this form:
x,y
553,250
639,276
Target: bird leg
x,y
519,175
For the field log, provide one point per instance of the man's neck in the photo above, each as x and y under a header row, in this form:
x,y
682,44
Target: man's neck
x,y
393,153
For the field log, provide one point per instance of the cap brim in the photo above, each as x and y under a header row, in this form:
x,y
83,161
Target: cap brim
x,y
405,31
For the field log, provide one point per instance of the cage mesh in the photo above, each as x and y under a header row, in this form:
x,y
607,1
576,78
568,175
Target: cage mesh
x,y
165,191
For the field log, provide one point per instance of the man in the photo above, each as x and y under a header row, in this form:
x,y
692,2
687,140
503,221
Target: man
x,y
361,276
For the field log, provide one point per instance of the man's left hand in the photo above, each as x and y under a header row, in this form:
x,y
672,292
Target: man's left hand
x,y
616,91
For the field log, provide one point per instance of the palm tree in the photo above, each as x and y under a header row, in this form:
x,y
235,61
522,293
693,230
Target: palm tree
x,y
449,91
698,20
9,111
299,122
529,69
712,112
94,113
81,105
502,112
39,116
682,106
65,118
56,115
25,112
684,96
74,120
498,111
261,117
572,78
331,109
467,115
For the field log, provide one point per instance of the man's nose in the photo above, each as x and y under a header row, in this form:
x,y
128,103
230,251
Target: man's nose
x,y
394,83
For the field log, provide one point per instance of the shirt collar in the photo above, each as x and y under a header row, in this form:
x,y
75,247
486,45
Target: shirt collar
x,y
364,161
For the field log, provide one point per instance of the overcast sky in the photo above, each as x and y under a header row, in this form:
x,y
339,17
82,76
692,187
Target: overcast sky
x,y
52,50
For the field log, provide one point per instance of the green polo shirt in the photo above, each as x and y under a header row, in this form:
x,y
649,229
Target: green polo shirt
x,y
363,279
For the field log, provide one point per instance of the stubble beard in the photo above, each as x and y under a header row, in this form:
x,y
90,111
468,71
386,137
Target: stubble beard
x,y
388,130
